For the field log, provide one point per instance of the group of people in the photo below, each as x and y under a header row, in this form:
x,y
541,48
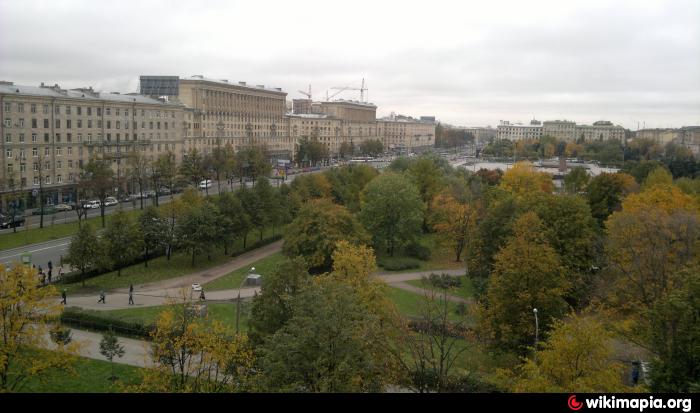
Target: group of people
x,y
46,276
103,296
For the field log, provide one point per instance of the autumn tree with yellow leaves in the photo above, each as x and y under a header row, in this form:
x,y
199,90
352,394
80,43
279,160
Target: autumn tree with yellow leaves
x,y
26,311
455,222
523,178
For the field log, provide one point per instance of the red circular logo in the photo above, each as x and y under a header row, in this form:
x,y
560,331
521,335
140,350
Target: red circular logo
x,y
573,404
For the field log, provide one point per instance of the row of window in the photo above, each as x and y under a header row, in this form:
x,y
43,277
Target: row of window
x,y
79,122
47,152
69,137
67,109
47,179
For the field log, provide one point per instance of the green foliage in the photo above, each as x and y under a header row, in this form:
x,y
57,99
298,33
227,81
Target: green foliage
x,y
658,176
310,151
605,194
318,226
193,166
576,180
392,211
232,222
347,183
272,308
418,250
675,337
123,240
398,263
197,230
371,147
110,348
101,321
640,169
84,252
154,229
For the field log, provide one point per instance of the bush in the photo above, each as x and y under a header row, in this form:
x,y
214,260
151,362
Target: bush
x,y
77,318
444,281
399,264
417,250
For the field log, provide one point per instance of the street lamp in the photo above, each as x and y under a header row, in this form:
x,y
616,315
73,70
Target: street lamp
x,y
238,300
537,328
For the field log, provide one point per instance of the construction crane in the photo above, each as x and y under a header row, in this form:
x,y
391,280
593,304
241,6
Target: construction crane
x,y
362,90
307,94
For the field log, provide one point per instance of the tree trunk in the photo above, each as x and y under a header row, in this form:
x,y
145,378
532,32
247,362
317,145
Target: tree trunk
x,y
245,238
102,212
193,258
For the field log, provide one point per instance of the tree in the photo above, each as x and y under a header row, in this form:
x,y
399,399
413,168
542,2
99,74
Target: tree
x,y
155,231
98,178
312,150
262,209
576,357
427,175
523,178
193,167
85,251
110,348
318,226
195,355
123,241
326,346
576,180
371,147
527,274
392,210
138,170
455,222
658,176
345,150
222,163
346,184
25,313
606,191
197,230
233,221
272,308
674,337
164,172
13,197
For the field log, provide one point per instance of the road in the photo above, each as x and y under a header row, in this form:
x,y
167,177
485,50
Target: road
x,y
42,253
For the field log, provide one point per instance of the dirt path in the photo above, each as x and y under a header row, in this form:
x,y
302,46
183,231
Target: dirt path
x,y
422,291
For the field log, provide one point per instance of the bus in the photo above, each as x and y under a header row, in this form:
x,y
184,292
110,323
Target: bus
x,y
362,159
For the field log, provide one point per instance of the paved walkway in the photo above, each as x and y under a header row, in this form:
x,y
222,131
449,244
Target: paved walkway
x,y
136,352
143,297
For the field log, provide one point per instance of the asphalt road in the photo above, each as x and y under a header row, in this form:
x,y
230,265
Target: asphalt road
x,y
42,253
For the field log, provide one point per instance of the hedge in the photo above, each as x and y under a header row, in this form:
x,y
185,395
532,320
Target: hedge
x,y
399,264
77,318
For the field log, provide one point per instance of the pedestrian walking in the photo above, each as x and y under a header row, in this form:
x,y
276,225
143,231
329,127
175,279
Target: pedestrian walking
x,y
201,295
63,296
49,276
50,270
102,297
131,294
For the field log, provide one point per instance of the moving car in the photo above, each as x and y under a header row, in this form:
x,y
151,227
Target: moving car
x,y
205,184
63,207
111,201
91,204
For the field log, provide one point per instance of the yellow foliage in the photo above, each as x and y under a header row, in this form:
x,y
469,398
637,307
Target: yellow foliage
x,y
524,179
664,197
456,222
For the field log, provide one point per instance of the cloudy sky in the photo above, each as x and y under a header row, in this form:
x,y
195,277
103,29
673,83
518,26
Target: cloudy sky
x,y
468,63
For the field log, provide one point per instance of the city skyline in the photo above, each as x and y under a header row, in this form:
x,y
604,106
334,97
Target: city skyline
x,y
633,63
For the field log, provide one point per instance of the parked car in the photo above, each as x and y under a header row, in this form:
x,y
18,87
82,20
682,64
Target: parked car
x,y
205,184
63,207
149,194
164,190
110,200
6,221
127,198
48,210
91,204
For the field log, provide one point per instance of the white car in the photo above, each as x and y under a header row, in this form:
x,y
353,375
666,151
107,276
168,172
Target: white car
x,y
91,205
111,201
205,184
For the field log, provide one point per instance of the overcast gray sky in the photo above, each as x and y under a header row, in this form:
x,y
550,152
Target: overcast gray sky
x,y
468,63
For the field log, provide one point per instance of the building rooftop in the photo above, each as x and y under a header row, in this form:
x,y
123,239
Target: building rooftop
x,y
79,93
200,78
352,102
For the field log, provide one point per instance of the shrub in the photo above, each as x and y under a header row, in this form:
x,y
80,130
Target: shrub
x,y
444,281
399,264
77,318
417,250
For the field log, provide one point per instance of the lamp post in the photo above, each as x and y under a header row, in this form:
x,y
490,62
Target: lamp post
x,y
537,329
238,300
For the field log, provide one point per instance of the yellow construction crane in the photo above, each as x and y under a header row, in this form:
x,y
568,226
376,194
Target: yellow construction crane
x,y
362,89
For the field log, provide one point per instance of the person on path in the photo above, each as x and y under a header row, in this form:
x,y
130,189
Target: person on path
x,y
63,296
131,294
50,271
102,297
201,295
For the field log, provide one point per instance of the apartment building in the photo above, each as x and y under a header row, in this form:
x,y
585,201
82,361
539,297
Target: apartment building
x,y
49,133
560,129
518,131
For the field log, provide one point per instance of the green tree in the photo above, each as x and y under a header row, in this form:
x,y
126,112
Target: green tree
x,y
392,210
165,172
606,192
233,221
110,348
154,229
263,207
324,347
527,274
427,175
85,251
272,308
318,226
576,180
675,337
347,183
123,240
197,230
193,167
345,150
372,147
658,176
98,179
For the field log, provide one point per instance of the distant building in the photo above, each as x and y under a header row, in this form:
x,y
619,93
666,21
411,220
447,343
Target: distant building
x,y
601,130
560,129
516,132
688,136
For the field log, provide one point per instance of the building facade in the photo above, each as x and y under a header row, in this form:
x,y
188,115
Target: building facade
x,y
49,133
561,130
516,132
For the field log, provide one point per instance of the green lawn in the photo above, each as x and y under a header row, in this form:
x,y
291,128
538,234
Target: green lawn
x,y
441,258
23,236
233,280
90,376
466,290
223,312
409,304
159,269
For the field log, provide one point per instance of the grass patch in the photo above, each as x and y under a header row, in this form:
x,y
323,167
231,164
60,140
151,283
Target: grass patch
x,y
441,258
409,304
466,290
233,280
91,376
25,236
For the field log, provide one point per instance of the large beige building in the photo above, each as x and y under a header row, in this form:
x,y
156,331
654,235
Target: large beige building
x,y
562,130
49,133
516,132
688,136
